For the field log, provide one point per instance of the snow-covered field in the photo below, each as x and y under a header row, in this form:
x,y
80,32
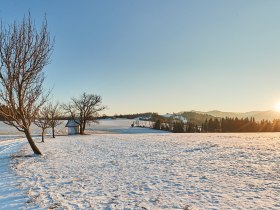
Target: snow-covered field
x,y
11,197
120,126
134,168
155,171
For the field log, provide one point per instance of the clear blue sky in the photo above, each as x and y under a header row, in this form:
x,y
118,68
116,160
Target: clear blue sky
x,y
162,56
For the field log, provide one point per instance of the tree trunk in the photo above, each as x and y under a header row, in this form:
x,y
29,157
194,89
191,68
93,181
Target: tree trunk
x,y
53,132
84,127
31,142
81,130
43,132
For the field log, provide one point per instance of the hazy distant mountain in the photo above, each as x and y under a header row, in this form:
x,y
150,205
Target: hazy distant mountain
x,y
258,115
267,115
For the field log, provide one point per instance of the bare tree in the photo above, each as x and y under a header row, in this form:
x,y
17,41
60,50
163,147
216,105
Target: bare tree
x,y
55,114
43,121
24,52
84,109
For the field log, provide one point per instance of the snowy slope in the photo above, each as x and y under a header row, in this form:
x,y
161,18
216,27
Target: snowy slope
x,y
155,171
120,126
10,196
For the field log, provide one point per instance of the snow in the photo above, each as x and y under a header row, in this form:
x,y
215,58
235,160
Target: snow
x,y
154,171
120,167
120,126
10,196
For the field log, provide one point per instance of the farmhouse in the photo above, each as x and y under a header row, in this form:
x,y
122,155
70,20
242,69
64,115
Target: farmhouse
x,y
73,127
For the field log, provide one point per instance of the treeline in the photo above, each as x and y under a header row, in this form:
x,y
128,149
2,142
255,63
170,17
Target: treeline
x,y
150,115
176,126
240,125
218,125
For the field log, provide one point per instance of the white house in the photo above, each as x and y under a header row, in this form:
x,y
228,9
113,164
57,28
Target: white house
x,y
73,127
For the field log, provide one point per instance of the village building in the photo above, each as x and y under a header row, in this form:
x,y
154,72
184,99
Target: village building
x,y
73,127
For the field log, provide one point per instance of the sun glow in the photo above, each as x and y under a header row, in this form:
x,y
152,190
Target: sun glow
x,y
277,107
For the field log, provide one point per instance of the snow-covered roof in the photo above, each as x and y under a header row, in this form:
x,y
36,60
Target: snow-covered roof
x,y
72,123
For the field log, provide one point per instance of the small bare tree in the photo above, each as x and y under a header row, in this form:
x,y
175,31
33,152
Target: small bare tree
x,y
24,52
43,121
55,113
84,109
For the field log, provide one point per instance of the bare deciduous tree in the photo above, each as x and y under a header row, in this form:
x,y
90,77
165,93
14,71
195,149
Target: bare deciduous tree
x,y
55,113
84,109
43,121
24,52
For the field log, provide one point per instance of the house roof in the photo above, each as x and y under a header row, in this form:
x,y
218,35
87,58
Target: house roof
x,y
72,123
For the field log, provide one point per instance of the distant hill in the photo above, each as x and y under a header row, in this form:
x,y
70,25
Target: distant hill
x,y
258,115
196,117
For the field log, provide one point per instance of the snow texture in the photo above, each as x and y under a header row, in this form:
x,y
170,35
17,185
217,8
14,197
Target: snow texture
x,y
10,196
154,171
